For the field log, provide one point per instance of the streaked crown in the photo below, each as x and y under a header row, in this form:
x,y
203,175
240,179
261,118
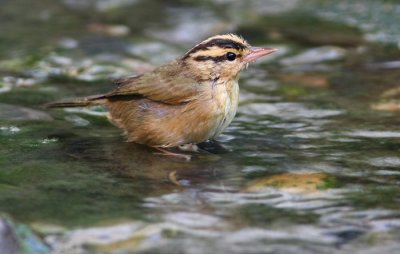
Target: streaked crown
x,y
216,47
219,56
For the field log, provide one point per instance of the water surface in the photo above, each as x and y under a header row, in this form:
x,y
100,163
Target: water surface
x,y
312,162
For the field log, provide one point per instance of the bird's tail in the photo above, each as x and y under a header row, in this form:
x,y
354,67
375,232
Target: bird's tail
x,y
78,102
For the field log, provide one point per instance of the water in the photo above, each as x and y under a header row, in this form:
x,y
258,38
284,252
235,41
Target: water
x,y
312,161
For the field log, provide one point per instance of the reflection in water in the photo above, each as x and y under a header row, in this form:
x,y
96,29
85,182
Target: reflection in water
x,y
137,162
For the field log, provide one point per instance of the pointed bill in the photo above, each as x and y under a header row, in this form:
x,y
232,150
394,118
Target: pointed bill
x,y
257,52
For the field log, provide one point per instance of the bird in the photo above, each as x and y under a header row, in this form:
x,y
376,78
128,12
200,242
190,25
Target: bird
x,y
186,101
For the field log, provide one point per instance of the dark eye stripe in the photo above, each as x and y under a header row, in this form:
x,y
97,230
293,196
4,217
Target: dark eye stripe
x,y
215,59
221,43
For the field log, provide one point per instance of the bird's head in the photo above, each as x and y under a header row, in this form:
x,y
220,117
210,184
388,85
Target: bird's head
x,y
222,57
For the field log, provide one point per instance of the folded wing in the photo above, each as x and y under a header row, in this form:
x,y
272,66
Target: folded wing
x,y
170,84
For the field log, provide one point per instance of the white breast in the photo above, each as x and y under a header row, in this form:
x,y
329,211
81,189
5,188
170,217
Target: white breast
x,y
227,102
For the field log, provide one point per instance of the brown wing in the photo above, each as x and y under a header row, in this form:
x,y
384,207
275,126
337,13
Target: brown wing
x,y
168,84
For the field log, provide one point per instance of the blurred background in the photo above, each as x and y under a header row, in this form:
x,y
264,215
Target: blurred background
x,y
313,161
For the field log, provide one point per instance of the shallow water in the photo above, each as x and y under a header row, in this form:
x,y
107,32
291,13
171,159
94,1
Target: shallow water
x,y
312,162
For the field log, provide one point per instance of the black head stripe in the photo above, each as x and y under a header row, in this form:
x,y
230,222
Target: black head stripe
x,y
216,59
218,42
226,43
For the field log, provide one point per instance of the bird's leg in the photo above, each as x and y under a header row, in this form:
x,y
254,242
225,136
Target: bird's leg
x,y
169,153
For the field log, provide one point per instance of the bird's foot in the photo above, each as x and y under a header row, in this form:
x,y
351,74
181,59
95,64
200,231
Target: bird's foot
x,y
212,146
189,147
164,151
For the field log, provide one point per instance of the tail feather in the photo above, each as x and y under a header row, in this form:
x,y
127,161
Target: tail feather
x,y
78,102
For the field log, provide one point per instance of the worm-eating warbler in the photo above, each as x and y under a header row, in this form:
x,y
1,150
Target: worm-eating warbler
x,y
186,101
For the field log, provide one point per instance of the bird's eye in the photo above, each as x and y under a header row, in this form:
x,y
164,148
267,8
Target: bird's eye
x,y
230,56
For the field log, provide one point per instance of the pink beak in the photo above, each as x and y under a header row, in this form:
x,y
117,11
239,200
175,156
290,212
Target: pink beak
x,y
257,52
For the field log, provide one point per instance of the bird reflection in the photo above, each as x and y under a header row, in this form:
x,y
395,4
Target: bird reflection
x,y
142,163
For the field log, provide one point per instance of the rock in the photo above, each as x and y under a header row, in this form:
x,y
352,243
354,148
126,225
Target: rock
x,y
292,182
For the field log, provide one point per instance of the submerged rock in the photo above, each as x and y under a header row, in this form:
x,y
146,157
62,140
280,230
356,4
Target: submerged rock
x,y
303,182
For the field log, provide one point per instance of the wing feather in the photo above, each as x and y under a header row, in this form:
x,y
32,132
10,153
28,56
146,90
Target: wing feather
x,y
169,84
